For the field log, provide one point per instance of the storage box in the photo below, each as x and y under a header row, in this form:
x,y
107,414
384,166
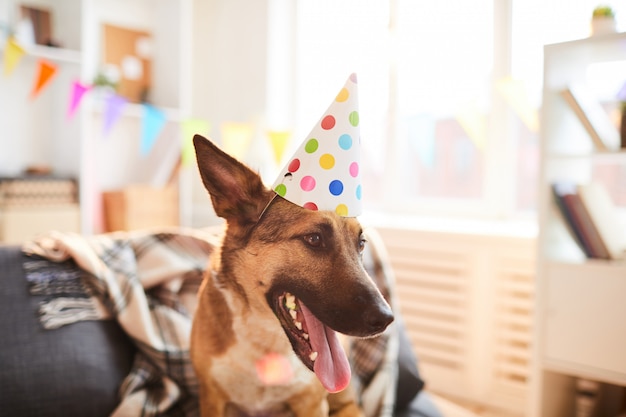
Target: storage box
x,y
18,224
141,207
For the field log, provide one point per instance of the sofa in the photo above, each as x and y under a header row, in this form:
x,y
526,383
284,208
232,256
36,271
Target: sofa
x,y
76,370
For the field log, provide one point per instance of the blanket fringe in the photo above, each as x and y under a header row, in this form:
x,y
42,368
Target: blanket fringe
x,y
60,311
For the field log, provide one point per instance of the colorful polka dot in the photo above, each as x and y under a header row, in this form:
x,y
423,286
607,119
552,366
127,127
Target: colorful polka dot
x,y
341,210
281,190
345,141
335,187
354,169
343,95
328,122
354,118
327,161
359,192
311,146
294,165
310,205
307,183
353,77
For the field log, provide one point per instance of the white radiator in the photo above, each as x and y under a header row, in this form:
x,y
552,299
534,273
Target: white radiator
x,y
466,301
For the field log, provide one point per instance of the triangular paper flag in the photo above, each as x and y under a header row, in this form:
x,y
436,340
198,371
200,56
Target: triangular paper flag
x,y
78,91
13,53
324,173
515,94
421,134
236,138
190,127
45,71
474,123
279,140
113,107
152,124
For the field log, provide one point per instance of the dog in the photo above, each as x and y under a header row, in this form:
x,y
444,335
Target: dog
x,y
283,283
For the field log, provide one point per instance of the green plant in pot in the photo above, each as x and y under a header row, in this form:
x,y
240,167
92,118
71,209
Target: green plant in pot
x,y
603,20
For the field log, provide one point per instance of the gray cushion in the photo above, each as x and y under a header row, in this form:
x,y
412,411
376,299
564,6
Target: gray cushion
x,y
75,370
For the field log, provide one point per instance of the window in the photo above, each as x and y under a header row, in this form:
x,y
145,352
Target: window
x,y
449,94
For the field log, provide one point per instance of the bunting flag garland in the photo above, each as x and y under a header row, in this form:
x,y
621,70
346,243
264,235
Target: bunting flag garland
x,y
45,71
78,91
189,128
279,140
152,123
13,53
237,136
113,107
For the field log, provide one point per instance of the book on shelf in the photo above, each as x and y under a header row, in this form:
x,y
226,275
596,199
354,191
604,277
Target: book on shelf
x,y
587,393
593,117
605,217
578,220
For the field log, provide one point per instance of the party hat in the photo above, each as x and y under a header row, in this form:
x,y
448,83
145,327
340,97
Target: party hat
x,y
323,174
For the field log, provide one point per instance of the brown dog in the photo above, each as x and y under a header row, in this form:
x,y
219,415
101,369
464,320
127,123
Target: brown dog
x,y
284,281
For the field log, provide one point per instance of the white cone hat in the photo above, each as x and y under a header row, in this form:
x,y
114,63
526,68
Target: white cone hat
x,y
324,173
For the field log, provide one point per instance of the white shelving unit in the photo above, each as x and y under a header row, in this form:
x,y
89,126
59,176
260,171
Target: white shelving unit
x,y
39,132
580,327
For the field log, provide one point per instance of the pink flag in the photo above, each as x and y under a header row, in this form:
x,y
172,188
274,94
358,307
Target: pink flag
x,y
78,91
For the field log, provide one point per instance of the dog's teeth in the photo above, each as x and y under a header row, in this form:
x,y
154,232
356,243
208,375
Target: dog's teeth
x,y
290,301
306,336
313,356
298,325
294,314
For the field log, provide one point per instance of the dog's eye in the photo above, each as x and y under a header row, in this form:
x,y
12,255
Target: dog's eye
x,y
313,240
362,243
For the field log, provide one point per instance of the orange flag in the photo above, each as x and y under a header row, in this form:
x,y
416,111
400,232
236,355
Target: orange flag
x,y
45,71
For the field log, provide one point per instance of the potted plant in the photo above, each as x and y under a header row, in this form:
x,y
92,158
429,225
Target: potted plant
x,y
603,21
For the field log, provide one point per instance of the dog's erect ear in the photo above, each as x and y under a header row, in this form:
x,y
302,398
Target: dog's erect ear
x,y
237,192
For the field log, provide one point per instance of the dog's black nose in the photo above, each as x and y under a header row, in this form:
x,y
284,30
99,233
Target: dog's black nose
x,y
377,319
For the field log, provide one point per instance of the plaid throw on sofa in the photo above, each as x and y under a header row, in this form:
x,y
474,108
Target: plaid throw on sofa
x,y
148,282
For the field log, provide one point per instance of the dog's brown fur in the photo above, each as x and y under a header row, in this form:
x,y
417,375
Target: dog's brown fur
x,y
270,247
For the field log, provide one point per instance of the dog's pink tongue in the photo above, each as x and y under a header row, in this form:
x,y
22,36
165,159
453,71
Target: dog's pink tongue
x,y
331,366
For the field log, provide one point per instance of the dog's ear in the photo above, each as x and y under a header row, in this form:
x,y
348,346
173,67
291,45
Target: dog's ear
x,y
237,192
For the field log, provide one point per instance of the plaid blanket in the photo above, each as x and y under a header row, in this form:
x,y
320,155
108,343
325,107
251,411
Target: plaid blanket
x,y
148,282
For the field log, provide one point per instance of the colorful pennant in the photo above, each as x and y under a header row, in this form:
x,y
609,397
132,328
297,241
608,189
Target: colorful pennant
x,y
189,128
152,123
13,53
279,140
514,92
236,138
474,123
78,91
113,106
46,70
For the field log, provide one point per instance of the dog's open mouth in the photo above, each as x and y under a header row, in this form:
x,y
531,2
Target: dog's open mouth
x,y
316,344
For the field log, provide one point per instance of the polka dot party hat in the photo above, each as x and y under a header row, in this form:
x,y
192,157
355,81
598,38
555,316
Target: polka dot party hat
x,y
323,174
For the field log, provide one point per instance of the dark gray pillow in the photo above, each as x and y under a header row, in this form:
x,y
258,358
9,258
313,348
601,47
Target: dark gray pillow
x,y
409,382
75,370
